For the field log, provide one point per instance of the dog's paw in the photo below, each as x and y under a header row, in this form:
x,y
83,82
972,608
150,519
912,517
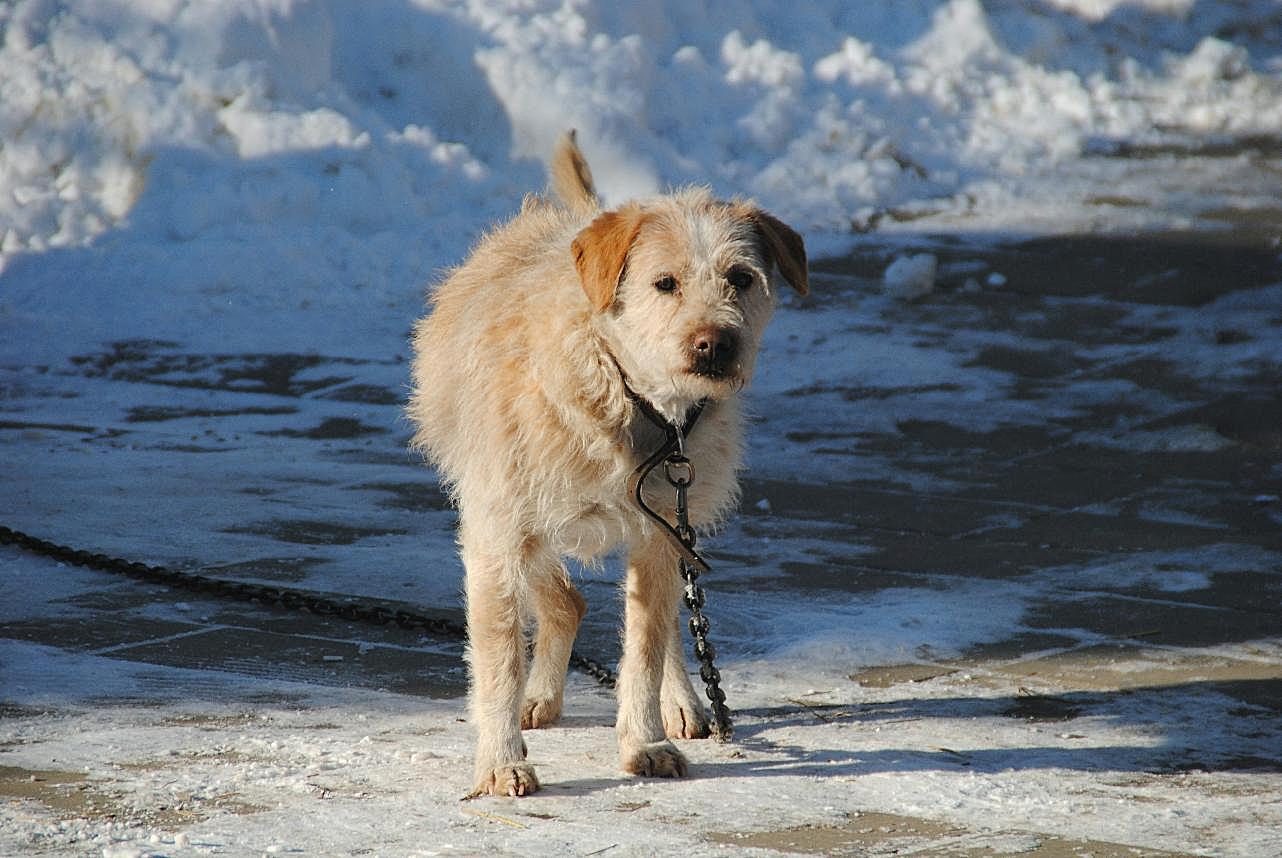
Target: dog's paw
x,y
685,722
656,760
515,779
540,713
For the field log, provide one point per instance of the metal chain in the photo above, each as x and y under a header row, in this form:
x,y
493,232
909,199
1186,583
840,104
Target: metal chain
x,y
679,472
278,597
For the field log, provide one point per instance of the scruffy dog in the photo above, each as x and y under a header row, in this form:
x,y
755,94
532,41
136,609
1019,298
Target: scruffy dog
x,y
522,380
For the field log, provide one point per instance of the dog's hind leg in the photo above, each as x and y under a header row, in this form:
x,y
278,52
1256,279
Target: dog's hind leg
x,y
558,609
652,588
496,655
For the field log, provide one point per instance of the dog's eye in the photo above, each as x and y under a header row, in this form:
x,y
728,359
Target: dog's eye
x,y
739,278
666,283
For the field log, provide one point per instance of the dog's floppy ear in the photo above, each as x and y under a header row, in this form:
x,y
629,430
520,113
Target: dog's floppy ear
x,y
785,247
601,250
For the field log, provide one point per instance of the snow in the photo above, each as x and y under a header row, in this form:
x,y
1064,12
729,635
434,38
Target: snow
x,y
188,189
344,769
910,277
321,123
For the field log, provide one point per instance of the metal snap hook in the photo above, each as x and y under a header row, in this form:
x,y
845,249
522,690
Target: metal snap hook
x,y
679,470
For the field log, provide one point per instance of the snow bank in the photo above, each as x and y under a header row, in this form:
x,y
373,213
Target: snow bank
x,y
184,119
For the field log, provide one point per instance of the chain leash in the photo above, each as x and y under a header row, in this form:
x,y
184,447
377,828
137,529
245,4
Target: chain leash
x,y
278,597
679,472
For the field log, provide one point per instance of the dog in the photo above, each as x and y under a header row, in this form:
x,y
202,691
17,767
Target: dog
x,y
527,372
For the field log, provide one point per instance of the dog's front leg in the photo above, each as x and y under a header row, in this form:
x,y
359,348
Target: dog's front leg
x,y
683,714
496,655
652,588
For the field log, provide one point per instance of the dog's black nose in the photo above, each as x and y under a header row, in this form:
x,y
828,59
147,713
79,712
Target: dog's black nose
x,y
713,350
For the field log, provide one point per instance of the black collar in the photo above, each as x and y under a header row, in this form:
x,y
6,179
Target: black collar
x,y
668,427
652,414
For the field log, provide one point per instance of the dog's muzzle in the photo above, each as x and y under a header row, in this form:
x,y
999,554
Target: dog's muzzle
x,y
714,352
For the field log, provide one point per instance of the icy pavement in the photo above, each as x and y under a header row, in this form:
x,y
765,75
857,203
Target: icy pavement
x,y
1006,581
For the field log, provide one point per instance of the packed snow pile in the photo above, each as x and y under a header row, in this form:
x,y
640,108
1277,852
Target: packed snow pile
x,y
350,129
910,277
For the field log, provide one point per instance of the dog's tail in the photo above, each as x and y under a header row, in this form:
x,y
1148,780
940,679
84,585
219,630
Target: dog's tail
x,y
571,179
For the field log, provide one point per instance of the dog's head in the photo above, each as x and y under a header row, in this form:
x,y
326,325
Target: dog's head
x,y
681,288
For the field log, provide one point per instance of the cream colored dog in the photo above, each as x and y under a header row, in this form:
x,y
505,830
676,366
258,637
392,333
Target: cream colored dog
x,y
521,398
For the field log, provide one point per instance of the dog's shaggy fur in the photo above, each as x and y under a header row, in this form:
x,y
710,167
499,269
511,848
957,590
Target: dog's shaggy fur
x,y
521,401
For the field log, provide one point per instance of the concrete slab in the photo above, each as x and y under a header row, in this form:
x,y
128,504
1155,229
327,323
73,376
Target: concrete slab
x,y
890,834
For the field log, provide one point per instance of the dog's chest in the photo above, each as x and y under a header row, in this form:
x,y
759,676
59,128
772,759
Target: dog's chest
x,y
602,514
